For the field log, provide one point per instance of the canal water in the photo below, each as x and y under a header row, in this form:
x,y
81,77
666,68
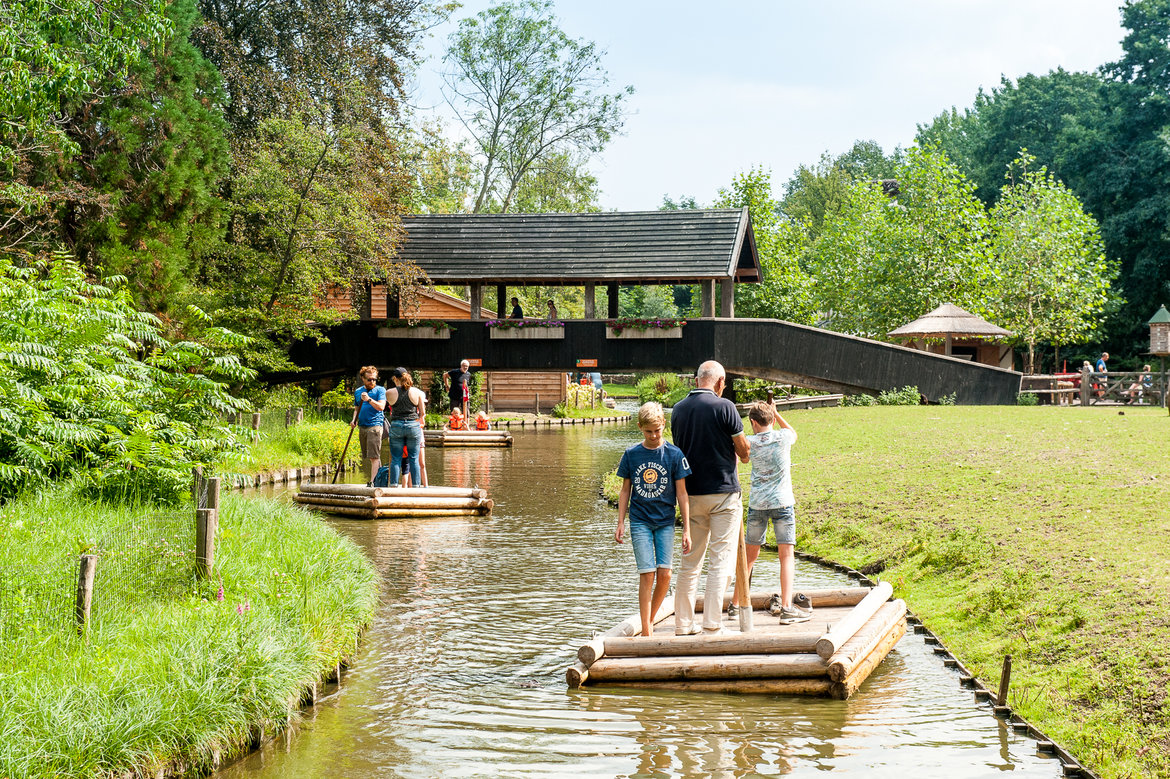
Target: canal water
x,y
462,672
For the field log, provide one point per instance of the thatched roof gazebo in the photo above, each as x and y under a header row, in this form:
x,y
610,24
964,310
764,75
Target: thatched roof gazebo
x,y
957,328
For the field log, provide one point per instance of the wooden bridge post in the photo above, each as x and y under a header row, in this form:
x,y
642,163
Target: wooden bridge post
x,y
477,302
590,305
612,301
727,298
502,308
707,308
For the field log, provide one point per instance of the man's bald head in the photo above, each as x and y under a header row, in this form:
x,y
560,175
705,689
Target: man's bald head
x,y
709,374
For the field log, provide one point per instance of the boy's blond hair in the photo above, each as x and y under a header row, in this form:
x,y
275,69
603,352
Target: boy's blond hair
x,y
651,414
761,412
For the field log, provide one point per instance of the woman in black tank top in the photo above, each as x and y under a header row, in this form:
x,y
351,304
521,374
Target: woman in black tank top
x,y
407,405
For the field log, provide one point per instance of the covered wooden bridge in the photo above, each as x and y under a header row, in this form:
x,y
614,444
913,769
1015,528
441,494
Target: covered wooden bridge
x,y
712,248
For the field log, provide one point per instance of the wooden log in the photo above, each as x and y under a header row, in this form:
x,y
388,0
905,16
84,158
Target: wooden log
x,y
742,593
486,444
631,625
348,489
335,500
861,671
818,687
425,512
723,644
827,598
865,639
341,500
577,674
708,667
395,492
843,630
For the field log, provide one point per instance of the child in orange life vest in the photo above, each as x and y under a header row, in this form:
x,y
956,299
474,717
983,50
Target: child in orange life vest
x,y
482,422
456,422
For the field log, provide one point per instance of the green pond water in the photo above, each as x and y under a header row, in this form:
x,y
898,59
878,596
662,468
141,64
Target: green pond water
x,y
462,672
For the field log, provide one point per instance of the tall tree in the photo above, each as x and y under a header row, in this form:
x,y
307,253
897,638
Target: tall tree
x,y
884,261
525,91
1052,280
57,58
785,292
155,152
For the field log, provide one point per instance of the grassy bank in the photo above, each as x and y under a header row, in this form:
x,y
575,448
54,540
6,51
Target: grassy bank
x,y
1035,532
171,670
297,446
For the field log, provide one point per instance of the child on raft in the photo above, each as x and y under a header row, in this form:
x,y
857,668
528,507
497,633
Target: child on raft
x,y
482,421
653,475
772,500
456,420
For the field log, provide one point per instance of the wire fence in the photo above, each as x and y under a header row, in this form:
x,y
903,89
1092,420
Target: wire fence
x,y
148,559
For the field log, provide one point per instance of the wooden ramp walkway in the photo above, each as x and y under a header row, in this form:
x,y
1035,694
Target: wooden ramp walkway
x,y
851,631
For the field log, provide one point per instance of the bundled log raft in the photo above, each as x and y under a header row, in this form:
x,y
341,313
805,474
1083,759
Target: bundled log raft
x,y
850,633
467,438
357,502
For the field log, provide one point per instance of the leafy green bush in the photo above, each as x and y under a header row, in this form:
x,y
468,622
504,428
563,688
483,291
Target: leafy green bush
x,y
1027,399
664,388
948,400
860,400
907,396
747,390
90,388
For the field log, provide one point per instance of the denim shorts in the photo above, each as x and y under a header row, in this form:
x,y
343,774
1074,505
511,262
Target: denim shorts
x,y
653,546
783,521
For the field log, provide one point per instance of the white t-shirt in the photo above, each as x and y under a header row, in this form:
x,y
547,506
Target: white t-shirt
x,y
772,469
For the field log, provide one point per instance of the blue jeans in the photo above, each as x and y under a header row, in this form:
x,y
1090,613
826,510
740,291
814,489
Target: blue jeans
x,y
653,546
410,434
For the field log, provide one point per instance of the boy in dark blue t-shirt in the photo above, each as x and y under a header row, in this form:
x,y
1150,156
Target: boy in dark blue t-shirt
x,y
653,480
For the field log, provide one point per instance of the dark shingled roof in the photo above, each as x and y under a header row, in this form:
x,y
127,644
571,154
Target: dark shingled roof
x,y
642,247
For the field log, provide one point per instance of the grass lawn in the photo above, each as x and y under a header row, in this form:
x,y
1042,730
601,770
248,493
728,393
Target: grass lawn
x,y
621,390
172,670
1036,532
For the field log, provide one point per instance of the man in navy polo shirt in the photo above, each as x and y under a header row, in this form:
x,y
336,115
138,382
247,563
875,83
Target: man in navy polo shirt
x,y
710,433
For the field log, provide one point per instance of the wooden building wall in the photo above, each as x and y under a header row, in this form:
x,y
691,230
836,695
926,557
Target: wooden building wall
x,y
515,391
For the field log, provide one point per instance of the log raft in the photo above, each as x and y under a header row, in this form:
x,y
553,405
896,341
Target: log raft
x,y
851,631
467,438
354,501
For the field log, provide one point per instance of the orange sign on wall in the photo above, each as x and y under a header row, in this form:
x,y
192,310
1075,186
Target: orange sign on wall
x,y
587,363
476,362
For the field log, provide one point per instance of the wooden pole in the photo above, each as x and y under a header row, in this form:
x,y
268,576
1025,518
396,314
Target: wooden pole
x,y
255,424
85,575
742,593
843,630
206,522
214,487
1085,386
1005,680
197,487
344,449
536,405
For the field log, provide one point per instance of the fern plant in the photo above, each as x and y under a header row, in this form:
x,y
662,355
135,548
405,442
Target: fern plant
x,y
90,388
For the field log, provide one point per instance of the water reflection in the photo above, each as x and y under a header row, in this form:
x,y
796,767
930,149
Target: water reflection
x,y
462,672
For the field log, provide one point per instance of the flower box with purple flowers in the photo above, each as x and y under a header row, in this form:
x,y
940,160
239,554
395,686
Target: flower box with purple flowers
x,y
546,329
660,327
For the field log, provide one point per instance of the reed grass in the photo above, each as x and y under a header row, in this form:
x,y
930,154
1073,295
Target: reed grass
x,y
296,446
166,674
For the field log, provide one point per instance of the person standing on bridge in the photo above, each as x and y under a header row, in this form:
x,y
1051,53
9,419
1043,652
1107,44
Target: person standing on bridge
x,y
457,382
517,311
552,311
708,430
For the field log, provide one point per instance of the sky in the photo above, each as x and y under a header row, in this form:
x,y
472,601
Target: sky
x,y
721,87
